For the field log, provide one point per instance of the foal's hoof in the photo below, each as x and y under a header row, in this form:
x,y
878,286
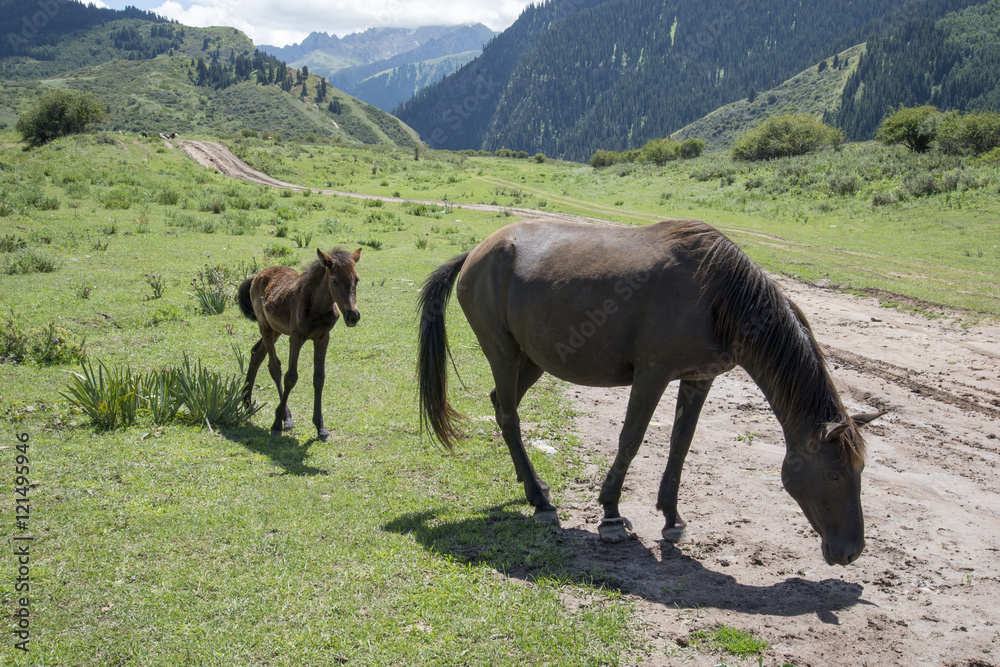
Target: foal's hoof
x,y
276,432
324,436
547,517
676,534
615,530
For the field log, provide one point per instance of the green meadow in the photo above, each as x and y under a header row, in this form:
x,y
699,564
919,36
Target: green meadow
x,y
186,543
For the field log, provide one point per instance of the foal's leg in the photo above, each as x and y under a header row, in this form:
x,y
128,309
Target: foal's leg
x,y
282,412
642,403
319,376
690,399
257,354
506,363
274,368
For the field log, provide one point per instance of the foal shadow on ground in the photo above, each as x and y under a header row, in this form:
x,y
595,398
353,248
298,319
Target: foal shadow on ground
x,y
515,545
285,450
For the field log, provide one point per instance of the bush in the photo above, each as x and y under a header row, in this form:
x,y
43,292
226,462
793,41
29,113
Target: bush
x,y
691,148
969,134
785,136
915,127
604,159
60,112
660,151
48,345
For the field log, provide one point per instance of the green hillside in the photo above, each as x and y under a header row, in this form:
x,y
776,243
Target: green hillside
x,y
817,91
164,77
952,63
571,76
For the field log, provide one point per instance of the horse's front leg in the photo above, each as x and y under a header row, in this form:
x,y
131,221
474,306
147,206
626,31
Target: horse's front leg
x,y
282,414
690,400
319,376
642,403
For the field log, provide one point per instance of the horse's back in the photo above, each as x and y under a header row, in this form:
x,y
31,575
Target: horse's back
x,y
589,302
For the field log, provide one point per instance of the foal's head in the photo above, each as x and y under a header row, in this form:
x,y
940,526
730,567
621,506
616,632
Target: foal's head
x,y
343,281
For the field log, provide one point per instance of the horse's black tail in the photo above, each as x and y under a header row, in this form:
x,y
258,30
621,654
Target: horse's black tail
x,y
243,298
432,367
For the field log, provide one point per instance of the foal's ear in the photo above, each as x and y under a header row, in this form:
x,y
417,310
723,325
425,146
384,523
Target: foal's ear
x,y
324,258
356,255
861,420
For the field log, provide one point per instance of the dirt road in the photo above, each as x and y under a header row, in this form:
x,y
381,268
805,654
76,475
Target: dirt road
x,y
927,588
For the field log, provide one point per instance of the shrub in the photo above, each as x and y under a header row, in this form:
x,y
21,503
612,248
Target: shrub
x,y
604,159
48,345
914,127
785,136
691,148
60,112
660,151
965,134
844,184
28,260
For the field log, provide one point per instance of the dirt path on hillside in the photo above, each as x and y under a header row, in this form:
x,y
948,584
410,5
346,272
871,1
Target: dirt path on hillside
x,y
927,588
216,156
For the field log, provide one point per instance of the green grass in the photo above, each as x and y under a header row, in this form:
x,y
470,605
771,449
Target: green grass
x,y
730,640
170,543
175,544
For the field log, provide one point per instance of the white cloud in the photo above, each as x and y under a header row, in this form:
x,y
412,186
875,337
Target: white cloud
x,y
96,3
289,21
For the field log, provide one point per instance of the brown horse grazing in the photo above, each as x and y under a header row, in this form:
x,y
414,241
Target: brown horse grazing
x,y
643,306
303,307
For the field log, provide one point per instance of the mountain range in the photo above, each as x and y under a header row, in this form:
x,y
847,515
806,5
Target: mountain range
x,y
387,66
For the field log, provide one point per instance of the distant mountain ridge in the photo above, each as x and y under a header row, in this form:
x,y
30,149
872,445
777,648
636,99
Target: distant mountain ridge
x,y
386,66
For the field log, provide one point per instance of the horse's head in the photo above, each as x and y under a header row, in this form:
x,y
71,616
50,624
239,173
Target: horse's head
x,y
823,473
342,278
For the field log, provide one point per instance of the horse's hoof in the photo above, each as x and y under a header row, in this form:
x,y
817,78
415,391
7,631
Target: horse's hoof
x,y
324,436
677,534
276,432
547,518
615,530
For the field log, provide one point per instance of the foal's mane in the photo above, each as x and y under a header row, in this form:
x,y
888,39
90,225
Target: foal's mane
x,y
771,338
316,269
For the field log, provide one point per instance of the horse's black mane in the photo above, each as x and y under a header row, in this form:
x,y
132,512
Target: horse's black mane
x,y
770,338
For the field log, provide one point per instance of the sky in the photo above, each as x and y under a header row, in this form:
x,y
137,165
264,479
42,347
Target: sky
x,y
283,22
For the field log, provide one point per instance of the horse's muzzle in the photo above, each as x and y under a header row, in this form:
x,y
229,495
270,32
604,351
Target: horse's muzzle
x,y
352,317
842,554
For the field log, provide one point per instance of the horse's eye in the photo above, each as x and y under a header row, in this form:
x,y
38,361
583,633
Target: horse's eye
x,y
832,476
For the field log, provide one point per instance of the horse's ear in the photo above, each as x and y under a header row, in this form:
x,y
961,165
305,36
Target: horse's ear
x,y
861,420
324,258
356,255
830,430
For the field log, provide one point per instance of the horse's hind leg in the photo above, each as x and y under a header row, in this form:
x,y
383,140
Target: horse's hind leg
x,y
257,354
690,399
284,420
642,403
282,414
527,375
507,365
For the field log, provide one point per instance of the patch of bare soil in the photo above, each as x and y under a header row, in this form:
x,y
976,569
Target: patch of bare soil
x,y
926,590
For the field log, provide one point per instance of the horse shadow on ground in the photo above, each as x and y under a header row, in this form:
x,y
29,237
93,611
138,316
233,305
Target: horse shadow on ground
x,y
285,450
507,541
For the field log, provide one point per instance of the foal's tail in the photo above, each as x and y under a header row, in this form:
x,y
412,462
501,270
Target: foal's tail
x,y
432,370
243,298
